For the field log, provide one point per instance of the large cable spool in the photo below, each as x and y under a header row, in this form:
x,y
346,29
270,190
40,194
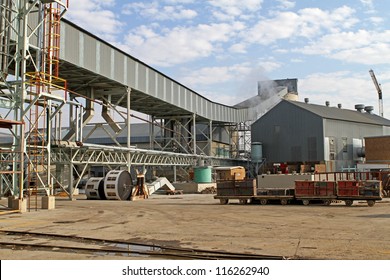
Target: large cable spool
x,y
117,185
94,188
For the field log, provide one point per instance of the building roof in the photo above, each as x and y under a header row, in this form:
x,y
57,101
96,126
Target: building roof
x,y
335,113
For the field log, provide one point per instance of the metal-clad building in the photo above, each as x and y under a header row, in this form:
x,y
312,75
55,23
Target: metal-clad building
x,y
296,132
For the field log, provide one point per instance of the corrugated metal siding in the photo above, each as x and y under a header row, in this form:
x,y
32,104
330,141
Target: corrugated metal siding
x,y
105,60
168,91
152,84
131,71
285,132
89,53
118,66
350,129
175,93
182,94
141,77
72,39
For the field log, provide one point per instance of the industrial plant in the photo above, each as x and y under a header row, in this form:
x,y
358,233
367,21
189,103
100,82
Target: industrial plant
x,y
155,135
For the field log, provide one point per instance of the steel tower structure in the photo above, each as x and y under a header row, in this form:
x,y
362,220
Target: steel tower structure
x,y
31,91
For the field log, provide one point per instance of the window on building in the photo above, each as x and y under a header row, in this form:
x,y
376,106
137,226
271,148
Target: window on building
x,y
332,148
345,145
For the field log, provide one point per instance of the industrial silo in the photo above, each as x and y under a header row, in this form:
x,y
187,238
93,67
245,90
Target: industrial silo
x,y
256,152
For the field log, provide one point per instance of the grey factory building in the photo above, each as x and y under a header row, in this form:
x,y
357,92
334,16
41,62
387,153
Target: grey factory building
x,y
299,133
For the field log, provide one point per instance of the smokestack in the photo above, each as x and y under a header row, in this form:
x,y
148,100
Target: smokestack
x,y
306,100
327,103
359,107
369,109
339,105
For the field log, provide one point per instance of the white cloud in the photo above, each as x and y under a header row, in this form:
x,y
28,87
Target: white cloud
x,y
216,75
286,4
296,60
269,65
95,16
180,1
368,6
309,23
238,48
156,11
180,44
344,87
374,54
376,20
338,41
368,3
230,9
366,47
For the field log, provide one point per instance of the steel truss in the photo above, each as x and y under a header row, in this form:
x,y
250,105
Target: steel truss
x,y
241,140
116,158
35,96
30,87
177,134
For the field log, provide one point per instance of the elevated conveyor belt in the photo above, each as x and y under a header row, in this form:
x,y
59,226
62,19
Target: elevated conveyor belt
x,y
86,61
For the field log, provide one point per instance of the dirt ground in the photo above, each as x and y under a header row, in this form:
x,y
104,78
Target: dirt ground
x,y
200,222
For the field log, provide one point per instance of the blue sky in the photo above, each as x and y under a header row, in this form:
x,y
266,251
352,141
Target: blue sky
x,y
222,48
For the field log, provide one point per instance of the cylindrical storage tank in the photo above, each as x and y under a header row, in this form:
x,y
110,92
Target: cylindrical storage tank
x,y
202,174
256,152
117,185
94,188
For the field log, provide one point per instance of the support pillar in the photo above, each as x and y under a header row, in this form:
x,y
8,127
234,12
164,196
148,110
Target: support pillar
x,y
194,132
128,123
210,140
151,133
174,173
49,128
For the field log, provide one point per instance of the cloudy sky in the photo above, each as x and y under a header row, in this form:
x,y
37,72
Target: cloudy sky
x,y
221,48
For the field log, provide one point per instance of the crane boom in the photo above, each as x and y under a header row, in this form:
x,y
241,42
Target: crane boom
x,y
379,90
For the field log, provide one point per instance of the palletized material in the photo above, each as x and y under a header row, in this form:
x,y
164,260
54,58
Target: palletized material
x,y
304,188
315,188
237,188
348,188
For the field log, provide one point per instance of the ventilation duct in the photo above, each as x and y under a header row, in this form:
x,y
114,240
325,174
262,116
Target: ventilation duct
x,y
369,109
359,107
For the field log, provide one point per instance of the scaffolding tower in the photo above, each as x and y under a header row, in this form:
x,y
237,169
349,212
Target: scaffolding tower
x,y
31,91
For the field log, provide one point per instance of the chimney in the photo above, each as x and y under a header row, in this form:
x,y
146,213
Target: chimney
x,y
306,100
369,109
327,103
359,107
339,106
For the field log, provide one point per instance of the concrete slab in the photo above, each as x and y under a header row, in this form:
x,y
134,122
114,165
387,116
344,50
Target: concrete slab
x,y
193,187
48,202
200,222
19,204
